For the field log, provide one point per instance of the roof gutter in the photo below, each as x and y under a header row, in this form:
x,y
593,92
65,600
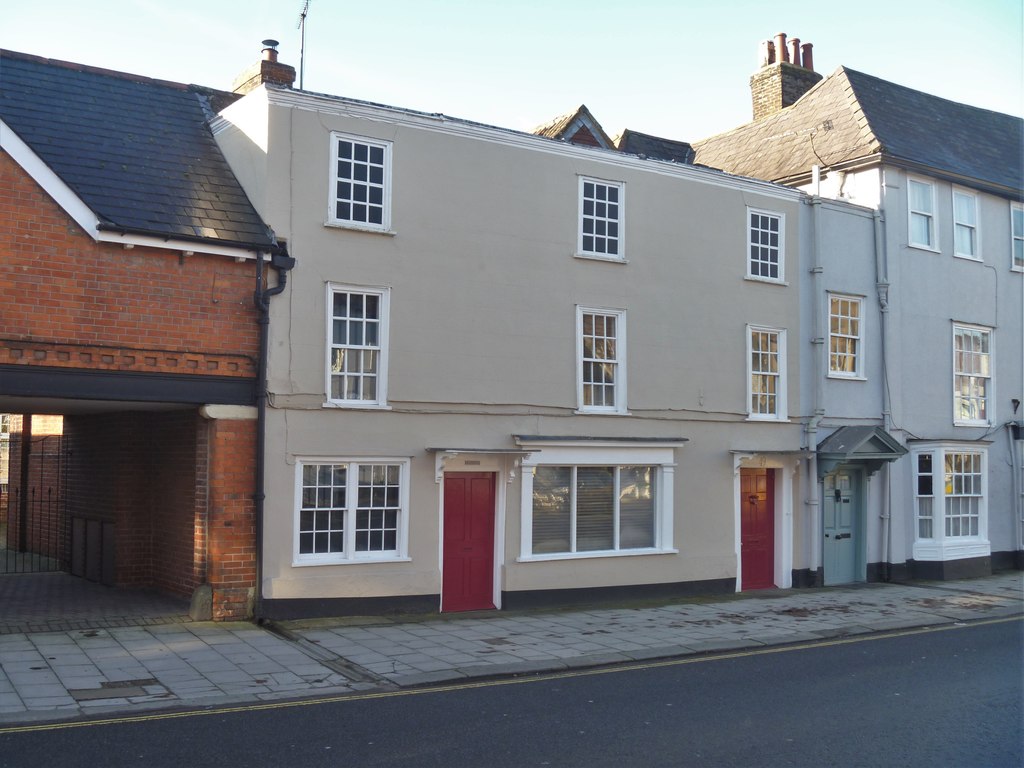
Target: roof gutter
x,y
881,158
268,245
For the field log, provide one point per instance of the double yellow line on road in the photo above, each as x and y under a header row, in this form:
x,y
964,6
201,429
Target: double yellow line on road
x,y
541,677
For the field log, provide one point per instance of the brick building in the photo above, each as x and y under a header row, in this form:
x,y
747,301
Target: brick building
x,y
131,259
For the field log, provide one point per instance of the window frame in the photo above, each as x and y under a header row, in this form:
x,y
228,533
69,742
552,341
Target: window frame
x,y
1016,236
620,221
348,555
659,455
383,336
932,216
941,544
858,339
973,227
332,193
620,374
780,248
781,392
987,396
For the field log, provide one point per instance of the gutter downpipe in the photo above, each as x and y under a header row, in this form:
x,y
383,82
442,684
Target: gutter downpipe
x,y
882,289
1018,497
1017,453
283,263
1018,472
814,559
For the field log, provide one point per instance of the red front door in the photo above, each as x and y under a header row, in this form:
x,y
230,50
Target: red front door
x,y
468,562
757,528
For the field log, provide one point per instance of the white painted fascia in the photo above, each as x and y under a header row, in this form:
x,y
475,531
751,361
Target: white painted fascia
x,y
51,183
437,122
84,216
250,114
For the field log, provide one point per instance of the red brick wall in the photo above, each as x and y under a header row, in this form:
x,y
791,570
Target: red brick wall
x,y
72,302
172,501
232,521
178,488
110,480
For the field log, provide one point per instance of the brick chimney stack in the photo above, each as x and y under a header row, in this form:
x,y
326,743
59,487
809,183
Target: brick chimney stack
x,y
786,74
267,70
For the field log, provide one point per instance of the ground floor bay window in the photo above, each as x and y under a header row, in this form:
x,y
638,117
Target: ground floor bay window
x,y
950,501
587,500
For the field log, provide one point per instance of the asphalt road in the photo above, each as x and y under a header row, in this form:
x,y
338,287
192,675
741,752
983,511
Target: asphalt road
x,y
948,697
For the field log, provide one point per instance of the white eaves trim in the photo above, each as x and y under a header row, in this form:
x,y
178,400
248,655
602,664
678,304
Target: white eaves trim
x,y
84,216
342,107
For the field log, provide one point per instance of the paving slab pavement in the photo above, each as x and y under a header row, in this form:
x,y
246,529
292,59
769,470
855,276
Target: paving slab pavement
x,y
63,674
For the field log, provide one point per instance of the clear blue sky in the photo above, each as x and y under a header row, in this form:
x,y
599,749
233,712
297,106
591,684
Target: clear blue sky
x,y
676,69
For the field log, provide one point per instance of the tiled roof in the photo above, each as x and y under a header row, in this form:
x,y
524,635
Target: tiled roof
x,y
850,116
565,127
138,152
937,133
654,147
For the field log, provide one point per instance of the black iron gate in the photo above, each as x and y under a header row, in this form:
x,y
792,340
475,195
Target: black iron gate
x,y
34,530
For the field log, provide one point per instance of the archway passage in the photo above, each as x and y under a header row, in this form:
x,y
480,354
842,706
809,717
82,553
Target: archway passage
x,y
156,501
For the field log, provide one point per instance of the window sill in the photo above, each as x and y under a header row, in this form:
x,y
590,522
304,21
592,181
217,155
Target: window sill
x,y
1017,268
966,257
921,247
356,406
768,419
356,561
599,257
768,280
590,412
840,377
594,555
975,424
357,228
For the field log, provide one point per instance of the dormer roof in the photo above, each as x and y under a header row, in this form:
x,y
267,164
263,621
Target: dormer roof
x,y
577,127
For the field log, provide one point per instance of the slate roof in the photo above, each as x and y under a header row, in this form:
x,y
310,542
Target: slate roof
x,y
654,147
138,152
850,117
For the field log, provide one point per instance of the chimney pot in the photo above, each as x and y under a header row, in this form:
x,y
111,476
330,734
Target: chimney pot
x,y
781,54
773,88
808,57
266,70
794,50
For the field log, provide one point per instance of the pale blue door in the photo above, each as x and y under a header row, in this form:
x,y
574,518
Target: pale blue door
x,y
840,528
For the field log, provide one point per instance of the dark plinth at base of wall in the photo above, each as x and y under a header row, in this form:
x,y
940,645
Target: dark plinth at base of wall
x,y
968,568
288,609
1008,561
558,598
804,578
898,572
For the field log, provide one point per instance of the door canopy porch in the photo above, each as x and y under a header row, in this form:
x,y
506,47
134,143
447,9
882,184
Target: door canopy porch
x,y
868,447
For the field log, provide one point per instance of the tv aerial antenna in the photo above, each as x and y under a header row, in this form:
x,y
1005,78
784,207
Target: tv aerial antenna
x,y
302,42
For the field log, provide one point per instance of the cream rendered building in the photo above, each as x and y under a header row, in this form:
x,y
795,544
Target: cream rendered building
x,y
508,370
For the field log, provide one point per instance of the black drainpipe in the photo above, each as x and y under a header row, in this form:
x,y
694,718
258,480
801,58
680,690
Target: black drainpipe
x,y
283,263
